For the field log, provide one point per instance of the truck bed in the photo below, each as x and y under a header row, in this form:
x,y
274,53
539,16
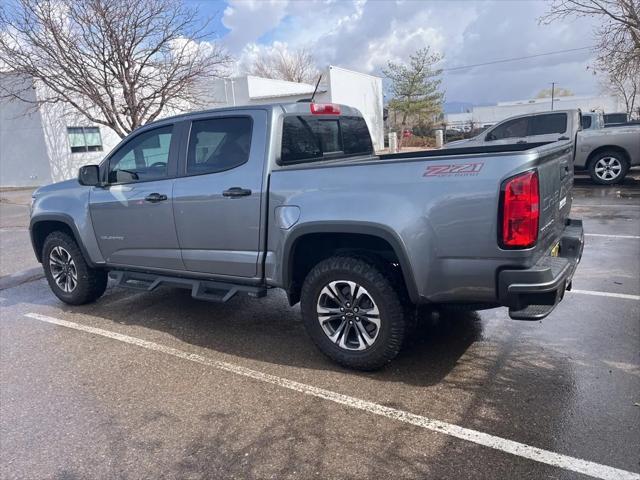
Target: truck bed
x,y
473,150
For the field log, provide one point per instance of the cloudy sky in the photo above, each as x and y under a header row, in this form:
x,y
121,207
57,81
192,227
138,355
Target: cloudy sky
x,y
365,34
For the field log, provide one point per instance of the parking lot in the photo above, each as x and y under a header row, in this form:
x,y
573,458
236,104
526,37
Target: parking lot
x,y
158,385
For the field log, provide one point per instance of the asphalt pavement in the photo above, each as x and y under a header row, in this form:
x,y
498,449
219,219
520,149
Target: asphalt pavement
x,y
158,385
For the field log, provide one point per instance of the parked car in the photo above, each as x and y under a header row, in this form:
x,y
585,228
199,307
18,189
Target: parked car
x,y
292,196
607,153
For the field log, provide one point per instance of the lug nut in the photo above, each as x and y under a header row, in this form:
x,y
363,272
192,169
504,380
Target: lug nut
x,y
344,318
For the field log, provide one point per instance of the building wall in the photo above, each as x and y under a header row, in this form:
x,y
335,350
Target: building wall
x,y
492,114
64,164
23,151
363,92
34,143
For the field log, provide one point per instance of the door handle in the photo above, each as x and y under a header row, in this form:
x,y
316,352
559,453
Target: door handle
x,y
563,138
237,192
521,141
155,197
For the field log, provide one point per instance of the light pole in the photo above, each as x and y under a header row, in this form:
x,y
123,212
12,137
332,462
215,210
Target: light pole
x,y
553,91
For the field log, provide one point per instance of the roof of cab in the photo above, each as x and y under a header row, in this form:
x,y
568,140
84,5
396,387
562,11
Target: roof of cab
x,y
300,108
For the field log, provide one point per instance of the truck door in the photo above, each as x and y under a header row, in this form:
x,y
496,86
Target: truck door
x,y
133,215
508,132
218,193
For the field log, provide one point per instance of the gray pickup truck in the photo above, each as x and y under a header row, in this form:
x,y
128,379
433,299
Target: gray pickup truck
x,y
292,196
606,153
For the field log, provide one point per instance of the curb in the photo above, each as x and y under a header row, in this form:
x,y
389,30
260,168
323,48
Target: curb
x,y
15,279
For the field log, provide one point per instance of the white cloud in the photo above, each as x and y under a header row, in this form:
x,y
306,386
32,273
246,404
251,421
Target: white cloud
x,y
365,35
248,20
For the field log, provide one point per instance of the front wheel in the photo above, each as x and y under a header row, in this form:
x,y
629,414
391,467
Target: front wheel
x,y
608,168
353,312
70,278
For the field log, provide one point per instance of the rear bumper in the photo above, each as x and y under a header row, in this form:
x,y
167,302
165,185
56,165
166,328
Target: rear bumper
x,y
533,293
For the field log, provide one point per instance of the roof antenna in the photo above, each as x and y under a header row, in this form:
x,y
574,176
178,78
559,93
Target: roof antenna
x,y
316,89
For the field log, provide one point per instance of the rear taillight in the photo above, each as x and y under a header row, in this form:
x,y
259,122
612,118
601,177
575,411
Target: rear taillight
x,y
520,211
325,109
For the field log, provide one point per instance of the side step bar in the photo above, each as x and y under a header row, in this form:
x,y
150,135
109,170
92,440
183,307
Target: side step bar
x,y
200,289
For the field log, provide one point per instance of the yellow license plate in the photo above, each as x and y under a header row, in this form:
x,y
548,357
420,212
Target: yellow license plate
x,y
555,250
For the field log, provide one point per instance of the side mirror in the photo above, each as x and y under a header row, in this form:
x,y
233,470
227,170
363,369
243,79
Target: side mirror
x,y
490,137
89,175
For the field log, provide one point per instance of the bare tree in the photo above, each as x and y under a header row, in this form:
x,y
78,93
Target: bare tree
x,y
120,63
618,45
282,64
627,87
415,88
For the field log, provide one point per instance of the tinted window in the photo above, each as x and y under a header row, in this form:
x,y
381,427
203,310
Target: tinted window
x,y
511,129
298,140
145,157
549,124
307,138
355,136
586,122
615,118
218,144
328,132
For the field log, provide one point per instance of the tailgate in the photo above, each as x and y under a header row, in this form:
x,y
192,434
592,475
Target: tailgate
x,y
555,173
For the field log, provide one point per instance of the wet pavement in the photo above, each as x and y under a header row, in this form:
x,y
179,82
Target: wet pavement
x,y
75,405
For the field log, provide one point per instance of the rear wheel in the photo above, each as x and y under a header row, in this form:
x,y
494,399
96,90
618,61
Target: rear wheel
x,y
608,168
70,278
353,313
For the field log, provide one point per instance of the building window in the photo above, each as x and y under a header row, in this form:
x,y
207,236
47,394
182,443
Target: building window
x,y
84,139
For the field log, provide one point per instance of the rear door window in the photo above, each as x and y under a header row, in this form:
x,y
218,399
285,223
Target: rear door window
x,y
218,144
549,124
515,128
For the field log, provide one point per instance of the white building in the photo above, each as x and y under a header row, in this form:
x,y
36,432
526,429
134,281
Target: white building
x,y
338,85
489,115
50,144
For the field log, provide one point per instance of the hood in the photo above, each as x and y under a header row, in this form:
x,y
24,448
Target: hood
x,y
55,187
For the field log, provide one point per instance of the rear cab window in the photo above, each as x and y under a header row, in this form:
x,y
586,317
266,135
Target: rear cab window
x,y
307,138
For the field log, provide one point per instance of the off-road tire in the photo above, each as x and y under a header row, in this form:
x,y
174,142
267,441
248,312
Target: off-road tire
x,y
91,282
387,296
593,164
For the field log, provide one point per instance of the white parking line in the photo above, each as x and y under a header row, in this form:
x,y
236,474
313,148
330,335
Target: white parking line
x,y
606,294
625,205
509,446
611,236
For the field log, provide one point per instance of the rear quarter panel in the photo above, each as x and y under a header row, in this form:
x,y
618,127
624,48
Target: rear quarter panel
x,y
442,211
626,137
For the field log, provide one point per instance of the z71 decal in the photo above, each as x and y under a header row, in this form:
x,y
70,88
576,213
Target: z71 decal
x,y
453,170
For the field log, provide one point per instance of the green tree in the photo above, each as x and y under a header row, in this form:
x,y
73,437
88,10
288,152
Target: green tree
x,y
415,88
